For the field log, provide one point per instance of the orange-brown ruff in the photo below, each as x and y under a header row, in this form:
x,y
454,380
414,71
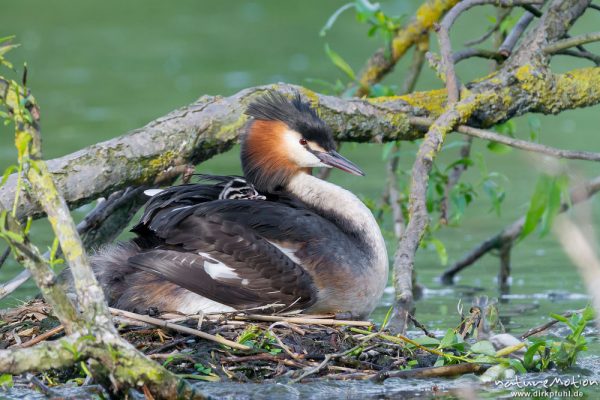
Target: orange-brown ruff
x,y
276,239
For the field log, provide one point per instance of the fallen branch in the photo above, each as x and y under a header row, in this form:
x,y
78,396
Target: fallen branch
x,y
445,371
513,231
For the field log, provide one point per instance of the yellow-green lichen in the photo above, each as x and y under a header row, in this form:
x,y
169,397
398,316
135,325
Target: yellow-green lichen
x,y
433,101
228,131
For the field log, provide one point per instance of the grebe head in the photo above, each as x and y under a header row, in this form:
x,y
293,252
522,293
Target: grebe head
x,y
286,137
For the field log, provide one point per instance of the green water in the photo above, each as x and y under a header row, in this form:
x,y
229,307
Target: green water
x,y
100,69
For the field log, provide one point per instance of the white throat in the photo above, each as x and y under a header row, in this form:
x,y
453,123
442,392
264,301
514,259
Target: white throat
x,y
331,199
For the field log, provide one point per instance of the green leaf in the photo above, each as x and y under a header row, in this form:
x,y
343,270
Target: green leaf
x,y
517,365
483,347
537,205
331,20
562,319
365,10
11,169
6,381
427,341
387,149
202,369
339,62
507,128
7,48
531,352
448,339
440,362
498,148
467,162
379,90
554,202
11,236
588,313
535,127
440,249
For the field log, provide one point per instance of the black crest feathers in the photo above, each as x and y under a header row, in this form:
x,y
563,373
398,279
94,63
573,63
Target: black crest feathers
x,y
296,114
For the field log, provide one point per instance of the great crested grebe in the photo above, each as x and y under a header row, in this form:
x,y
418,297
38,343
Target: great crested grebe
x,y
278,239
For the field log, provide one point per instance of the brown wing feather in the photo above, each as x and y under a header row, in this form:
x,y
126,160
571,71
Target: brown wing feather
x,y
263,275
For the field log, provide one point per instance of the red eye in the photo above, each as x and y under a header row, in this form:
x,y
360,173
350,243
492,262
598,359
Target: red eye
x,y
303,142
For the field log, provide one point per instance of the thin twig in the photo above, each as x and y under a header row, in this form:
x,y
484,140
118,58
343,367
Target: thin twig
x,y
480,53
167,346
420,326
453,179
511,40
301,320
391,194
403,339
580,54
4,256
517,143
184,329
263,357
572,42
504,14
14,283
384,59
43,336
543,327
279,342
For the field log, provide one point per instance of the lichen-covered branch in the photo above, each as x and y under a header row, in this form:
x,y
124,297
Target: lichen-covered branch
x,y
384,59
29,256
42,357
419,218
112,357
211,125
93,333
506,91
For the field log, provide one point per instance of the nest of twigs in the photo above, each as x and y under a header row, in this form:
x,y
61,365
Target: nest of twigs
x,y
240,347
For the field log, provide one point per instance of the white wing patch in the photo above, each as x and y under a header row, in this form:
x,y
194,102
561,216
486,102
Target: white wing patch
x,y
288,251
193,303
152,192
217,270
